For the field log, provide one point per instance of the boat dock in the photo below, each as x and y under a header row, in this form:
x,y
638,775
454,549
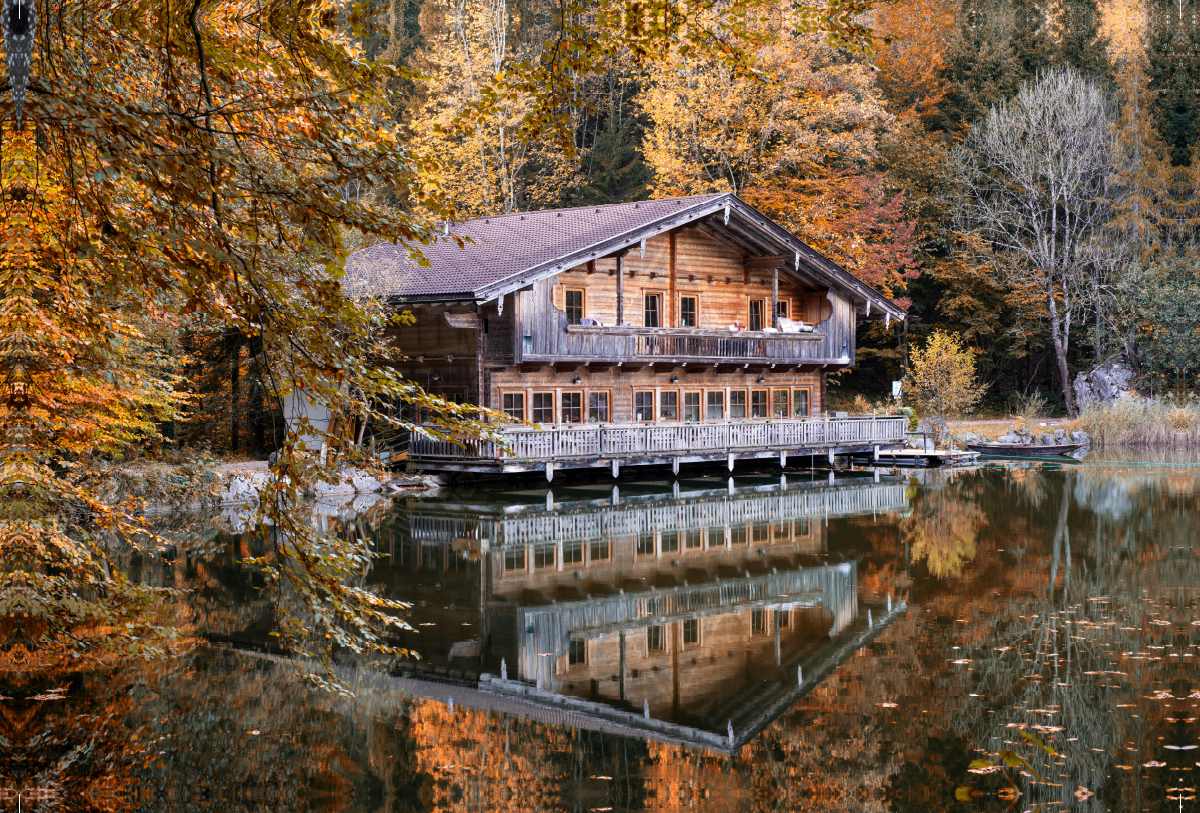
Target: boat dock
x,y
918,458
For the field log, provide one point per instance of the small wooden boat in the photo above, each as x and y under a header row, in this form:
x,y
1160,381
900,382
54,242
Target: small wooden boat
x,y
1024,449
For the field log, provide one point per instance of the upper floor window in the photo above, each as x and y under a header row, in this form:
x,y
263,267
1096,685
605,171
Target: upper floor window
x,y
574,306
687,311
779,404
514,405
716,405
737,404
782,308
756,315
652,312
691,406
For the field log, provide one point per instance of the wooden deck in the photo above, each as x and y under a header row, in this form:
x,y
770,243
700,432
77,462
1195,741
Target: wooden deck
x,y
594,445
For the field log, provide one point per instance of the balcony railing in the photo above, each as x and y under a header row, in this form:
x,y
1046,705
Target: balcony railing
x,y
575,441
650,344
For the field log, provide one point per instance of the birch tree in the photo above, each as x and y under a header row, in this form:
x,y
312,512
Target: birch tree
x,y
1032,183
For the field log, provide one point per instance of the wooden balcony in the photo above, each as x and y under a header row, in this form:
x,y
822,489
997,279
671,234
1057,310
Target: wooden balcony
x,y
679,345
592,445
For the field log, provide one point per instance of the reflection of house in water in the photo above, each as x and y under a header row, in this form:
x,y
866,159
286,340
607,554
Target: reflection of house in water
x,y
694,604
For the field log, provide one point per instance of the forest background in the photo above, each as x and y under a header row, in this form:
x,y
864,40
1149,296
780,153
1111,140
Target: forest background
x,y
849,150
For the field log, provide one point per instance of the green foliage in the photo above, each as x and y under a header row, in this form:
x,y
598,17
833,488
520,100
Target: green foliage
x,y
1170,333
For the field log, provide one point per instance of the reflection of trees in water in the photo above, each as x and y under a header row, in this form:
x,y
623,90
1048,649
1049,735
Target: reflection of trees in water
x,y
943,529
1089,664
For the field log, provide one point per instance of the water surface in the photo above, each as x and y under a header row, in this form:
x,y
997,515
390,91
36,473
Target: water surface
x,y
863,640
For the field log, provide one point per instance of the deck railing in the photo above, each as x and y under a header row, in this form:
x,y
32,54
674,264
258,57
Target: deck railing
x,y
627,343
567,441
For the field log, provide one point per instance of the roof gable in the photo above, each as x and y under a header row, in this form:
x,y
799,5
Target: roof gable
x,y
509,252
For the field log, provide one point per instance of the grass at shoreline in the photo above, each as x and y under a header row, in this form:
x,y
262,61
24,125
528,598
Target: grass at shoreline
x,y
1142,423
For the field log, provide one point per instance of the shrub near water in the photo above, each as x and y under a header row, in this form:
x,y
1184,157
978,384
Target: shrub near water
x,y
1143,423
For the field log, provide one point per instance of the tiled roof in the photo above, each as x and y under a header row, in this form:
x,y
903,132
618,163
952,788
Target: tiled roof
x,y
503,247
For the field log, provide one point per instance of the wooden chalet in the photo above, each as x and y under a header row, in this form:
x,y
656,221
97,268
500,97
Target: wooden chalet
x,y
657,332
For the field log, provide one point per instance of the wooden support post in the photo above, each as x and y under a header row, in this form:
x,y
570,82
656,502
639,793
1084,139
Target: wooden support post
x,y
549,500
672,290
624,685
620,293
616,497
783,459
775,297
876,452
550,472
832,458
731,461
616,468
778,649
675,466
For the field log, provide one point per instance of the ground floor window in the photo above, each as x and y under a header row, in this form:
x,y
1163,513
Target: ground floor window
x,y
691,631
737,404
598,407
656,640
572,553
669,541
572,407
668,406
800,403
514,560
645,543
545,556
758,404
643,405
578,653
514,405
779,404
716,537
716,405
693,539
691,406
758,622
783,619
543,407
599,550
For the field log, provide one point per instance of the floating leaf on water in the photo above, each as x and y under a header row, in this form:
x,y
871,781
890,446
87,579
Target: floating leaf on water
x,y
1154,764
887,705
965,794
1181,747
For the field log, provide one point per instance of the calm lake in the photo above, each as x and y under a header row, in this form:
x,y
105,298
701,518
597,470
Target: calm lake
x,y
713,644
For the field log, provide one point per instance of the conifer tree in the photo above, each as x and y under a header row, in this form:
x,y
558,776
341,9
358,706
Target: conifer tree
x,y
1173,54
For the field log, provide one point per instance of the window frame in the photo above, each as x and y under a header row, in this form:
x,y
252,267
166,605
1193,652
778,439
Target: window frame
x,y
762,312
782,307
515,396
787,402
597,394
765,405
709,396
699,394
562,406
582,304
516,553
807,402
695,310
673,396
582,658
534,408
695,624
657,296
661,631
731,406
652,411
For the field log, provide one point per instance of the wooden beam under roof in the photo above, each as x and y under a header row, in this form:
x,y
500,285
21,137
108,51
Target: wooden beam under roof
x,y
724,239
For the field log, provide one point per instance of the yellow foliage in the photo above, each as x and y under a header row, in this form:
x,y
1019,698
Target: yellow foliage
x,y
941,377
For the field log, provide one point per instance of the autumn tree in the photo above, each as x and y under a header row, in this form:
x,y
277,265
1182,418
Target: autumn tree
x,y
1033,185
941,378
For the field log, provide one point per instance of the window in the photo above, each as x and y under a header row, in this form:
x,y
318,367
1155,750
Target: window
x,y
643,406
652,310
544,556
574,306
779,404
781,531
572,553
761,531
577,653
572,407
514,405
716,537
737,404
691,406
668,406
758,622
783,619
694,539
738,535
687,311
600,551
669,541
801,526
758,404
716,405
800,403
514,559
543,407
454,397
656,641
598,407
691,631
756,315
645,543
782,308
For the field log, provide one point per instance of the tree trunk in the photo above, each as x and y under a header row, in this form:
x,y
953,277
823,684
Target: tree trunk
x,y
235,370
1060,352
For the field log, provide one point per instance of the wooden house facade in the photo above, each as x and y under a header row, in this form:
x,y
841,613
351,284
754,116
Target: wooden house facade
x,y
661,331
